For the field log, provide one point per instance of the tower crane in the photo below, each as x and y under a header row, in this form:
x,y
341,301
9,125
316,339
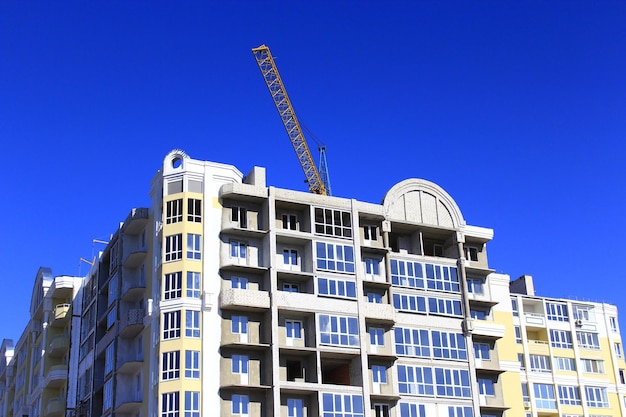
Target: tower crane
x,y
318,180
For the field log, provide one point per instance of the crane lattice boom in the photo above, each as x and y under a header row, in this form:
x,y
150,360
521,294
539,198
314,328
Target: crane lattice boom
x,y
277,90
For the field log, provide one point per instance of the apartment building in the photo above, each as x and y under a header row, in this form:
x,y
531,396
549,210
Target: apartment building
x,y
230,297
36,374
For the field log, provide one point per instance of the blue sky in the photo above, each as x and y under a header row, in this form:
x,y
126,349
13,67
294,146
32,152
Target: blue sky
x,y
516,108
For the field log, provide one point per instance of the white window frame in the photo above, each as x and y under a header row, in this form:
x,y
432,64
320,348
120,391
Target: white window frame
x,y
174,211
193,284
597,397
239,215
293,329
194,210
379,374
170,404
171,325
377,336
290,221
172,285
192,323
192,364
239,283
174,247
192,404
194,246
240,405
170,365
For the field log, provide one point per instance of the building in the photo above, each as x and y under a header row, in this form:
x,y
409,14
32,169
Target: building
x,y
228,297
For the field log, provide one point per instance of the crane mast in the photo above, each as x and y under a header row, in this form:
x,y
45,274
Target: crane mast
x,y
266,64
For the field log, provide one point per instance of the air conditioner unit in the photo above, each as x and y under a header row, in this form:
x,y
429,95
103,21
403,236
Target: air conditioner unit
x,y
526,404
578,322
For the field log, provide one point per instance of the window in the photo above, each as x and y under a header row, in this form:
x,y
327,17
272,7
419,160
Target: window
x,y
482,351
565,364
456,411
613,323
336,287
452,382
475,285
525,394
522,361
239,215
370,233
440,277
582,312
371,267
379,374
174,211
192,364
192,404
560,339
592,366
471,253
544,396
540,363
111,317
342,405
557,311
171,325
622,377
335,257
238,249
479,313
597,397
618,350
107,401
449,345
412,410
486,386
170,368
112,293
514,307
193,284
339,330
381,410
290,222
374,298
172,286
407,274
569,395
240,404
377,336
293,329
290,257
239,364
192,323
587,340
194,210
173,247
410,303
109,358
239,325
518,335
239,282
333,222
193,246
444,306
295,407
291,287
416,380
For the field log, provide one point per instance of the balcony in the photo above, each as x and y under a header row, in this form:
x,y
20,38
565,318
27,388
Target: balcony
x,y
136,221
60,315
233,298
487,329
58,346
128,404
55,408
134,257
56,376
133,289
535,320
131,322
380,313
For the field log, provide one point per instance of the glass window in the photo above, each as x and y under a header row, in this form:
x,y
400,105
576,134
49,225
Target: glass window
x,y
290,257
374,298
173,247
544,396
381,410
444,306
407,274
377,336
471,253
332,257
113,285
475,285
240,364
333,222
238,249
240,404
584,312
192,323
336,287
486,386
518,335
291,287
371,267
342,405
540,363
515,307
193,284
557,311
193,246
592,366
618,350
379,374
449,345
174,211
293,329
412,410
170,365
613,323
569,395
239,325
439,277
109,358
192,404
192,364
290,222
107,401
295,407
172,285
339,330
482,351
370,232
170,404
239,282
479,313
239,215
456,411
452,382
171,325
565,364
587,340
560,339
194,210
409,303
416,380
597,397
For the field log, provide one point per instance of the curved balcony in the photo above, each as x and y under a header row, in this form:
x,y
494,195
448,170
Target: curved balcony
x,y
58,346
56,376
61,315
55,408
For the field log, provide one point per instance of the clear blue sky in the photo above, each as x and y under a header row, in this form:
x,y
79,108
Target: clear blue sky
x,y
516,108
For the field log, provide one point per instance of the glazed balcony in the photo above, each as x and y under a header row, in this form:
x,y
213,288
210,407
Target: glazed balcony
x,y
58,346
61,315
55,408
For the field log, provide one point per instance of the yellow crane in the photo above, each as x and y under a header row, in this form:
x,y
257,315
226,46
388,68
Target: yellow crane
x,y
318,184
